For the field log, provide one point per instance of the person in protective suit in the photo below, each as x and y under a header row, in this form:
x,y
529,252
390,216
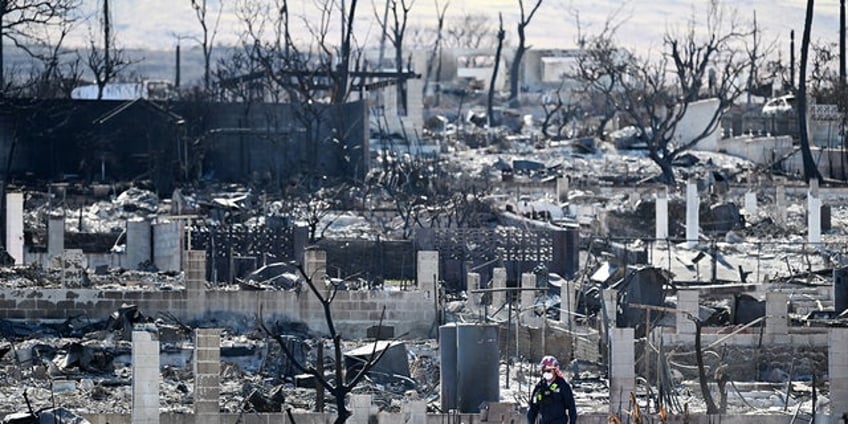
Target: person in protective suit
x,y
552,401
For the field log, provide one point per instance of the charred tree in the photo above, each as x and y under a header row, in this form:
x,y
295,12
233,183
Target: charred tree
x,y
20,18
811,171
490,109
515,73
341,384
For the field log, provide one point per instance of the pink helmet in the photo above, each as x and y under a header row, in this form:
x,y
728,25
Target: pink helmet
x,y
549,361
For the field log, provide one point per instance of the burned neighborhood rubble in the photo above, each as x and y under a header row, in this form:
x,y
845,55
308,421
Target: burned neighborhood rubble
x,y
313,237
83,362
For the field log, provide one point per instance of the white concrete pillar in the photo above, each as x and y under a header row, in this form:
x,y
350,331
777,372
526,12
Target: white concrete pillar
x,y
498,282
414,91
562,188
428,271
777,314
814,213
662,214
780,201
751,203
15,226
138,243
611,306
692,210
360,406
687,300
55,236
622,370
390,106
528,299
837,366
145,375
167,245
207,371
568,304
414,412
315,264
474,299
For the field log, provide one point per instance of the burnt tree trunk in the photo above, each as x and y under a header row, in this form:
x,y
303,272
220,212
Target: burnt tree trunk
x,y
811,171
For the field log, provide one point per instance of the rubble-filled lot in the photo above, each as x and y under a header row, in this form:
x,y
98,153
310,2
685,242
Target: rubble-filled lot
x,y
85,366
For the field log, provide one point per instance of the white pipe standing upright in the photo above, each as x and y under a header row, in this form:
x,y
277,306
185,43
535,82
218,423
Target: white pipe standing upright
x,y
814,213
780,202
692,206
751,203
662,214
15,226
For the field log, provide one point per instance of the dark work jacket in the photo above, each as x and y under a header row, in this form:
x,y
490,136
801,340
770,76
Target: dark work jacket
x,y
552,403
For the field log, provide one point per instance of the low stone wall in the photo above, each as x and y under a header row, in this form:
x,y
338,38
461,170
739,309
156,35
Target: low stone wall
x,y
353,311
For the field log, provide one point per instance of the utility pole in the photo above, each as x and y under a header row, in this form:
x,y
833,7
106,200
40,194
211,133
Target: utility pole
x,y
792,60
842,44
106,30
3,5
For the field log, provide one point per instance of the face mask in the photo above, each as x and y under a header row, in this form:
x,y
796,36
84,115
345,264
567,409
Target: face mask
x,y
548,376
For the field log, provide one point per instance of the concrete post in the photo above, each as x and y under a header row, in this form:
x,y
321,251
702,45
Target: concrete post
x,y
360,406
568,304
562,188
692,210
611,306
498,282
138,243
167,245
622,370
301,240
315,264
687,300
662,214
777,316
145,373
207,380
414,92
528,299
414,412
55,236
780,201
15,227
195,272
751,203
428,271
195,280
837,366
566,251
390,105
813,213
476,299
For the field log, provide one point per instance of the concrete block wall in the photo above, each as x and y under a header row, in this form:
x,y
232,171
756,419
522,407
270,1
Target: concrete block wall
x,y
207,379
167,245
145,370
622,369
838,371
353,311
15,226
138,243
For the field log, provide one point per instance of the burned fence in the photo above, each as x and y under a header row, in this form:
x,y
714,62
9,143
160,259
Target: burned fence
x,y
371,260
233,251
480,250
